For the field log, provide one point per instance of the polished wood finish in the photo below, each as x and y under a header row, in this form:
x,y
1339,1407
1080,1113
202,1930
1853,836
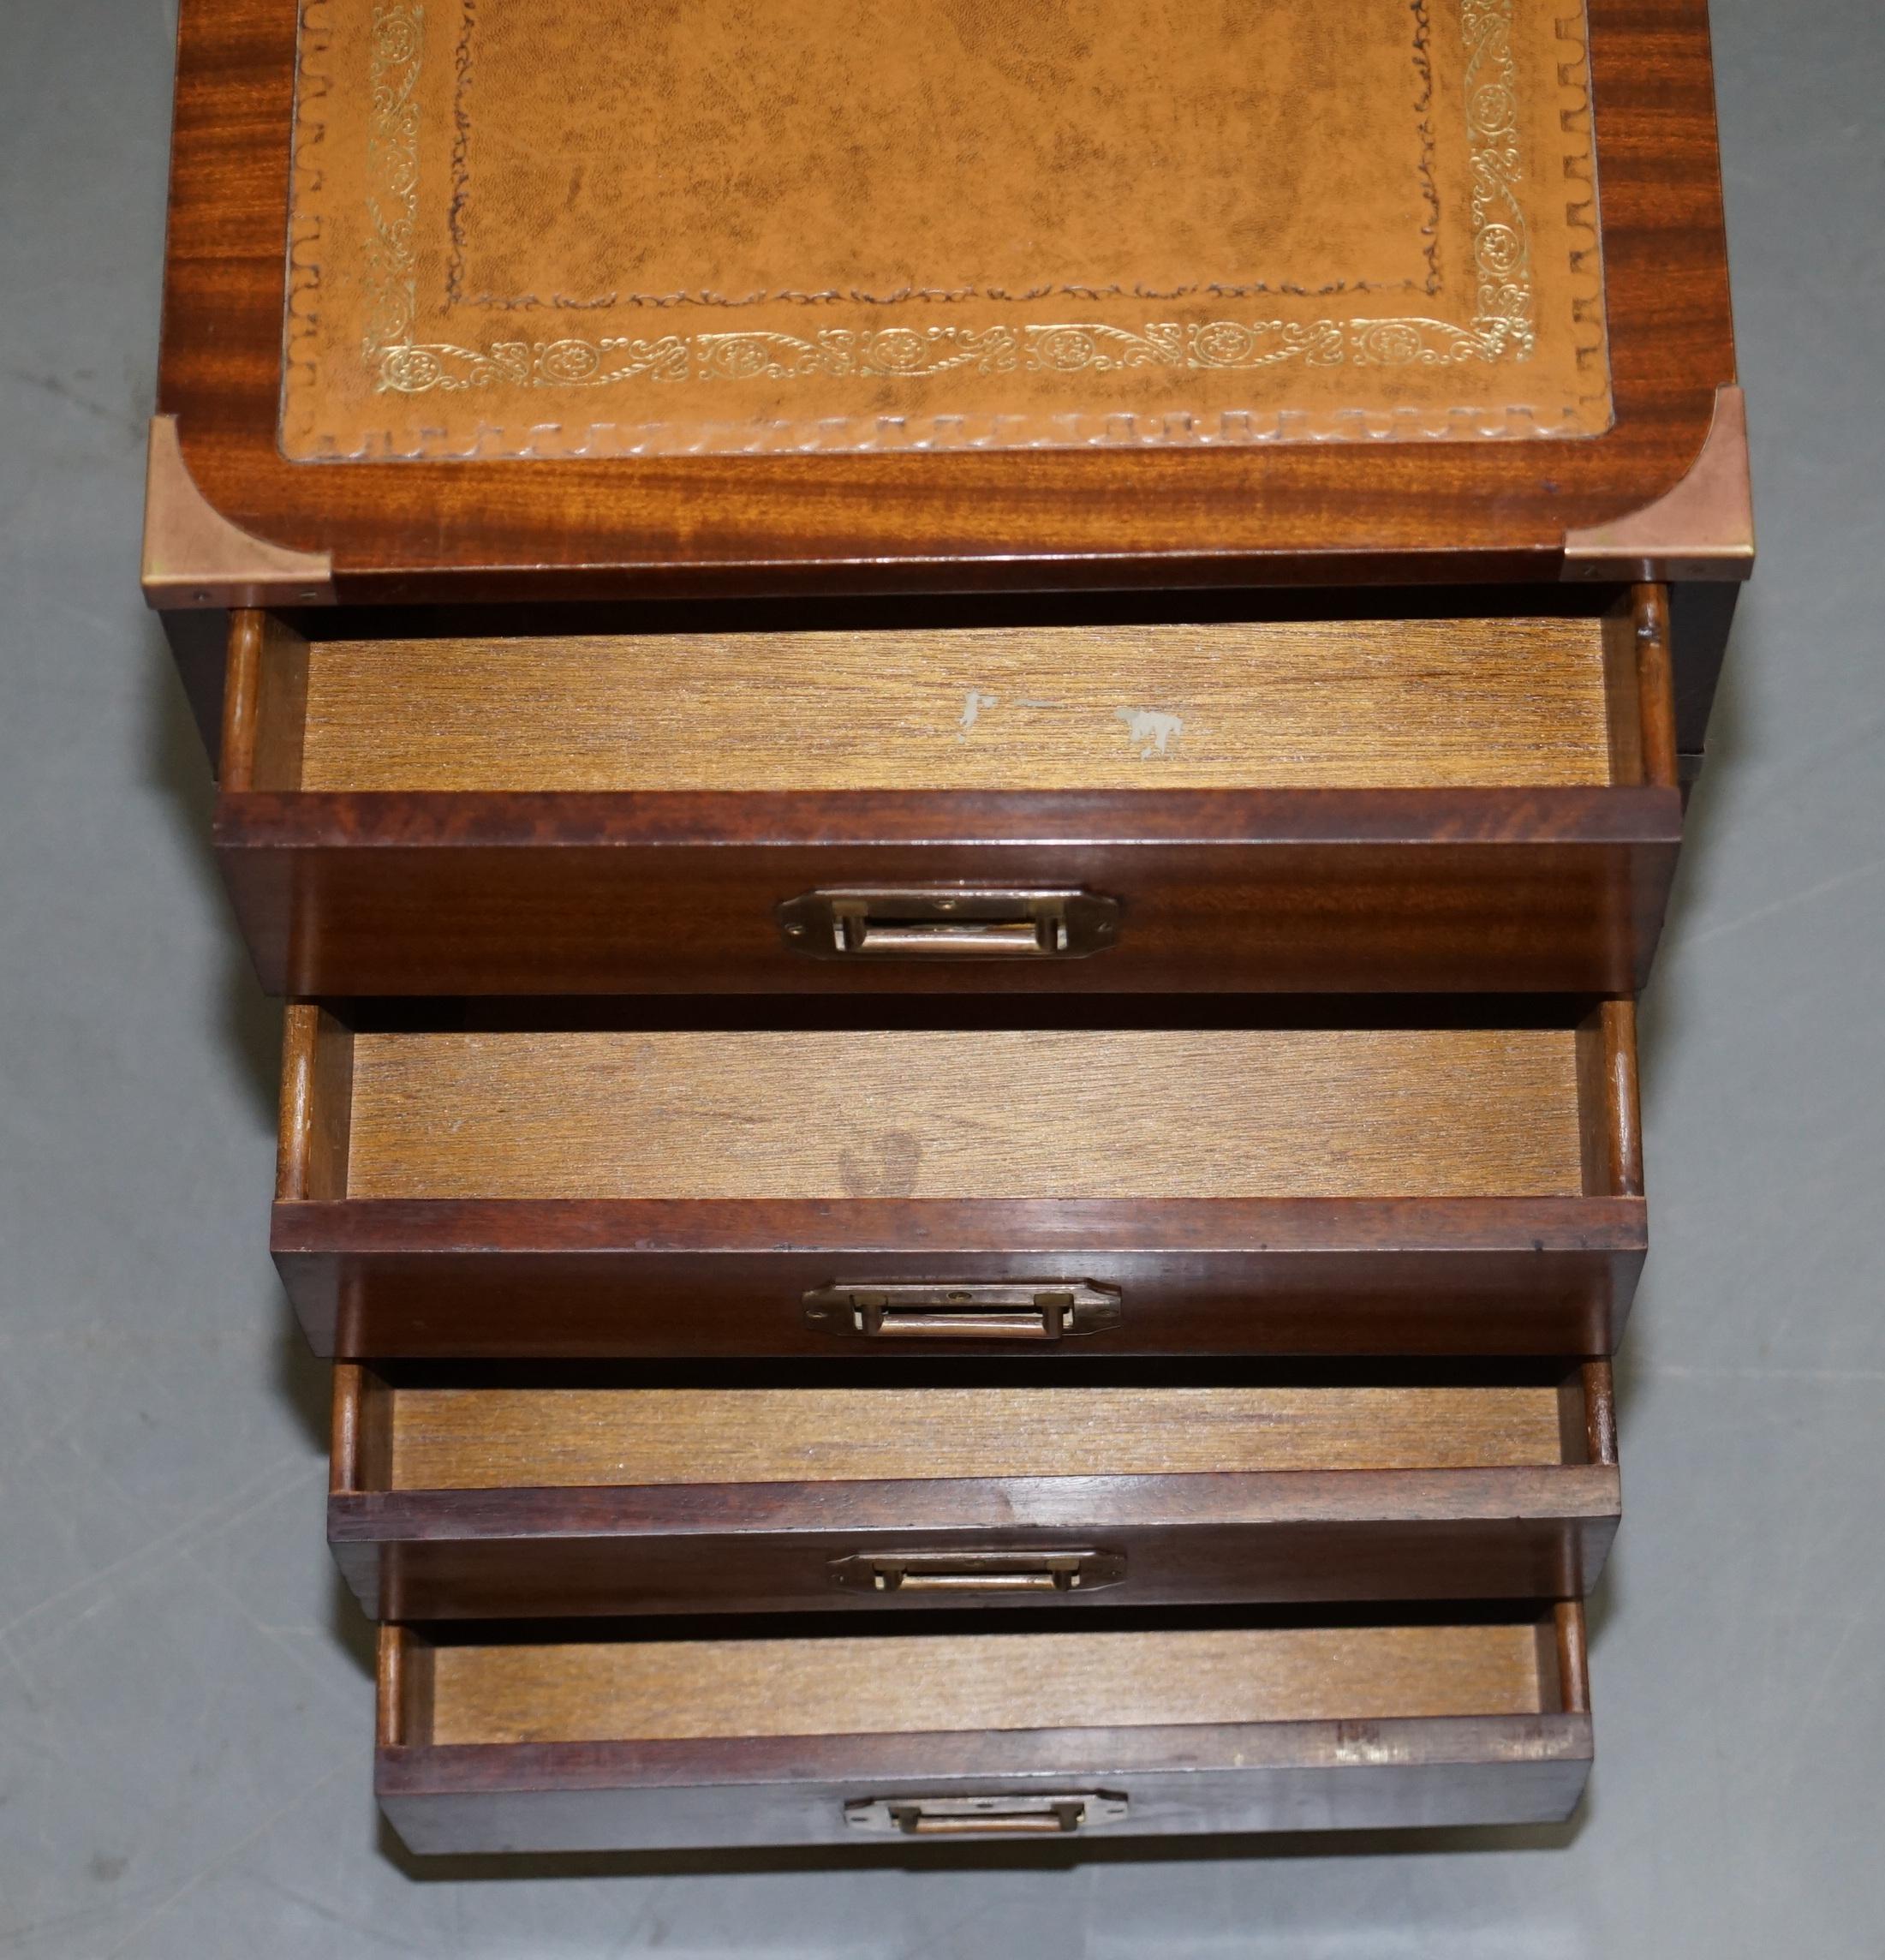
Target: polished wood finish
x,y
1204,1538
265,703
399,1708
1262,1778
241,691
1326,1726
360,1439
1573,1670
928,521
516,806
1611,1118
1656,685
1600,1412
502,1196
520,1503
1287,891
655,1278
1304,852
316,1120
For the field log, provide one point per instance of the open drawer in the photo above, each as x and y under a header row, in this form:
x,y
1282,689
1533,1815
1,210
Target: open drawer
x,y
1413,804
1460,1185
498,1502
516,1744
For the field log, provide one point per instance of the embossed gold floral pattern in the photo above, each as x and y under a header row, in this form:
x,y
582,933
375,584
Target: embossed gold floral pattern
x,y
392,176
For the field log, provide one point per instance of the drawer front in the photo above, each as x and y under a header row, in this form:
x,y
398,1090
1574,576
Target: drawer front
x,y
852,1195
1525,1760
1305,892
497,1503
1351,1777
794,1549
1491,1276
1494,808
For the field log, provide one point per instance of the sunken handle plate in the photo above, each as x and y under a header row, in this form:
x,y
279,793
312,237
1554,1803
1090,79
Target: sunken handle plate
x,y
985,1816
972,1572
1036,1310
949,922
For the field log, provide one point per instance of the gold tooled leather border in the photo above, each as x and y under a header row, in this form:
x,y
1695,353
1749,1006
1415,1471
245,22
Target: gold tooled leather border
x,y
1502,329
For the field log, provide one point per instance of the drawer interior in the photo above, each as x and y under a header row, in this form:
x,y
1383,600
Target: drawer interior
x,y
925,1112
1351,703
485,1690
406,1434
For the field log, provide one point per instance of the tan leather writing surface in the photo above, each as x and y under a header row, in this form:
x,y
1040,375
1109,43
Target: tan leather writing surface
x,y
573,227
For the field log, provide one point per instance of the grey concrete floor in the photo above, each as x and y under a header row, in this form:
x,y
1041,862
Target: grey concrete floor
x,y
184,1707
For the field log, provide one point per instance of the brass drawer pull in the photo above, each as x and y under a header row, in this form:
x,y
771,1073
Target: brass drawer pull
x,y
1039,1310
949,922
957,1572
979,1816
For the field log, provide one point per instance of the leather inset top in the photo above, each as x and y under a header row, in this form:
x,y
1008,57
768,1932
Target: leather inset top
x,y
567,227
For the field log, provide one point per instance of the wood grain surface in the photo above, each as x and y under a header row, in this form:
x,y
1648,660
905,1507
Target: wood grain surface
x,y
582,1691
676,892
575,526
1243,1777
933,1114
1370,704
1290,1538
500,1278
494,1438
316,1103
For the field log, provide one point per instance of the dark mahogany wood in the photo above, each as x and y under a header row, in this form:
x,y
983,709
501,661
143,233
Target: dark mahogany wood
x,y
1409,511
526,1277
1701,618
674,893
1226,890
1253,1777
1285,1537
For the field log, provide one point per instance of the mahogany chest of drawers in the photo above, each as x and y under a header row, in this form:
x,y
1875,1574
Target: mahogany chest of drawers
x,y
960,853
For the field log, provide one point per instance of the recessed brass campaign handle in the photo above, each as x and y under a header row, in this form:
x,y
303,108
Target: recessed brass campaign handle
x,y
1050,1815
949,922
970,1572
1027,1309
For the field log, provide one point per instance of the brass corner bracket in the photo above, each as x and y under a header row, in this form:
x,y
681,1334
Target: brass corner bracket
x,y
1703,529
194,557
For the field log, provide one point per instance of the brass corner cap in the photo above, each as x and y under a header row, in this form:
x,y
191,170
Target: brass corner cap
x,y
194,557
1703,529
